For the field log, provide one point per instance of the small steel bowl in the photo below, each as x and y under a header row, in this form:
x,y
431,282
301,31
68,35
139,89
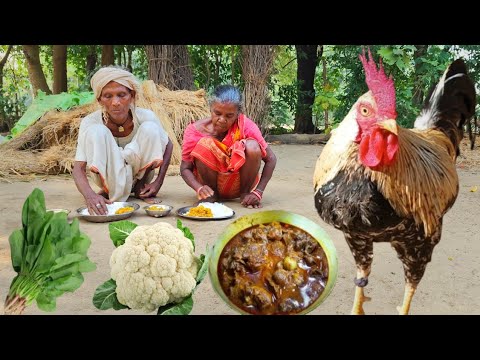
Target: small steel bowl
x,y
158,213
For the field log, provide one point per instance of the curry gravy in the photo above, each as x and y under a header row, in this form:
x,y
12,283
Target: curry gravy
x,y
273,268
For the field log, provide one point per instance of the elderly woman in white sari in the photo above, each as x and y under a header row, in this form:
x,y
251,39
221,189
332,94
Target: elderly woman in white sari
x,y
121,145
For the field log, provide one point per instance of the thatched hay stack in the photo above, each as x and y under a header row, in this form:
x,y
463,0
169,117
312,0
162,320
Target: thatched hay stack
x,y
176,109
18,165
48,146
183,107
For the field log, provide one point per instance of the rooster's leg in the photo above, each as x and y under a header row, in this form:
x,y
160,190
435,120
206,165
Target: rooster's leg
x,y
415,256
362,251
361,281
407,299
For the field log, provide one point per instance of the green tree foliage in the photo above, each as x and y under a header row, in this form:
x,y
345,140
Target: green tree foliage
x,y
325,89
414,72
213,65
398,62
283,88
79,77
76,57
405,68
15,96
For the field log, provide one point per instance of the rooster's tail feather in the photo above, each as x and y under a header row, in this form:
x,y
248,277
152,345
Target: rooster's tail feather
x,y
450,103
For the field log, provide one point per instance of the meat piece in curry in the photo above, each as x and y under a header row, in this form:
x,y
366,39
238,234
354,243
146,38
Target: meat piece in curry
x,y
273,268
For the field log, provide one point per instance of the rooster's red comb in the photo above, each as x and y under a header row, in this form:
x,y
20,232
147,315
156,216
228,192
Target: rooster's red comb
x,y
380,85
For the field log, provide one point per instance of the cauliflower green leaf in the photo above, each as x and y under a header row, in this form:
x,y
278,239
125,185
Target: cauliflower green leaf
x,y
182,308
186,232
106,298
119,231
204,259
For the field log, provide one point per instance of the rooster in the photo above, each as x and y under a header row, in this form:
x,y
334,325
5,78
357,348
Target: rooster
x,y
378,182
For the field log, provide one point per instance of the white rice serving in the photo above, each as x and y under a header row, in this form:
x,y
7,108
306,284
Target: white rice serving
x,y
218,209
110,207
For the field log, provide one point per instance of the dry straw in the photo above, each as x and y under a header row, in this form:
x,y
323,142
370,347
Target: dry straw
x,y
48,146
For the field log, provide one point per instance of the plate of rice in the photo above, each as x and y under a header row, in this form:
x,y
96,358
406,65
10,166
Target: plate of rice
x,y
116,211
206,211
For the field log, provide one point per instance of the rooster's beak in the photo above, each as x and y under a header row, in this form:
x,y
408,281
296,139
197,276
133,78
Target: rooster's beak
x,y
389,125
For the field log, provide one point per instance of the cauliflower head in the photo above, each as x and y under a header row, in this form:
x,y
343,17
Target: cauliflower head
x,y
155,266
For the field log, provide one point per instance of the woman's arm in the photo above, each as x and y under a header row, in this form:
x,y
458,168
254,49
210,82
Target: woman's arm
x,y
167,156
186,170
91,197
270,161
152,189
251,200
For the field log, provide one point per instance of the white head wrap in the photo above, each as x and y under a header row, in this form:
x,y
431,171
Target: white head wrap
x,y
103,76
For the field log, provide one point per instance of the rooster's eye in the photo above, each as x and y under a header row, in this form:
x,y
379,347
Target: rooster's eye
x,y
364,111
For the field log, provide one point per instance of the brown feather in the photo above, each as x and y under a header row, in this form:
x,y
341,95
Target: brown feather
x,y
422,183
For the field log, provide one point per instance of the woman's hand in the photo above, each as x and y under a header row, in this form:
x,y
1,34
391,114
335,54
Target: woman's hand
x,y
251,201
204,192
149,190
92,199
96,204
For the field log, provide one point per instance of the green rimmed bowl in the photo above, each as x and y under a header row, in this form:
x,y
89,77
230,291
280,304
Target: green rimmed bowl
x,y
265,217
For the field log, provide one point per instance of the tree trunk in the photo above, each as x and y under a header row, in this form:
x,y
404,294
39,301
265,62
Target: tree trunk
x,y
232,54
119,55
59,69
91,59
325,83
108,55
10,121
34,67
257,64
307,60
129,57
3,61
418,92
216,74
169,65
207,66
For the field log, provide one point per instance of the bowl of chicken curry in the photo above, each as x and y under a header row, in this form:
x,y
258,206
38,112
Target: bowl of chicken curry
x,y
273,263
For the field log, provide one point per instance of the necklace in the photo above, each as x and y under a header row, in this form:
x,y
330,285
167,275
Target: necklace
x,y
120,127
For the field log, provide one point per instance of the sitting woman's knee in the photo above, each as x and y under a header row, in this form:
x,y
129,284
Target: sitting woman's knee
x,y
252,148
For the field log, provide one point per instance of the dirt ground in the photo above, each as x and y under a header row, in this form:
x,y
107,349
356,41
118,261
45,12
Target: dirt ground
x,y
451,284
